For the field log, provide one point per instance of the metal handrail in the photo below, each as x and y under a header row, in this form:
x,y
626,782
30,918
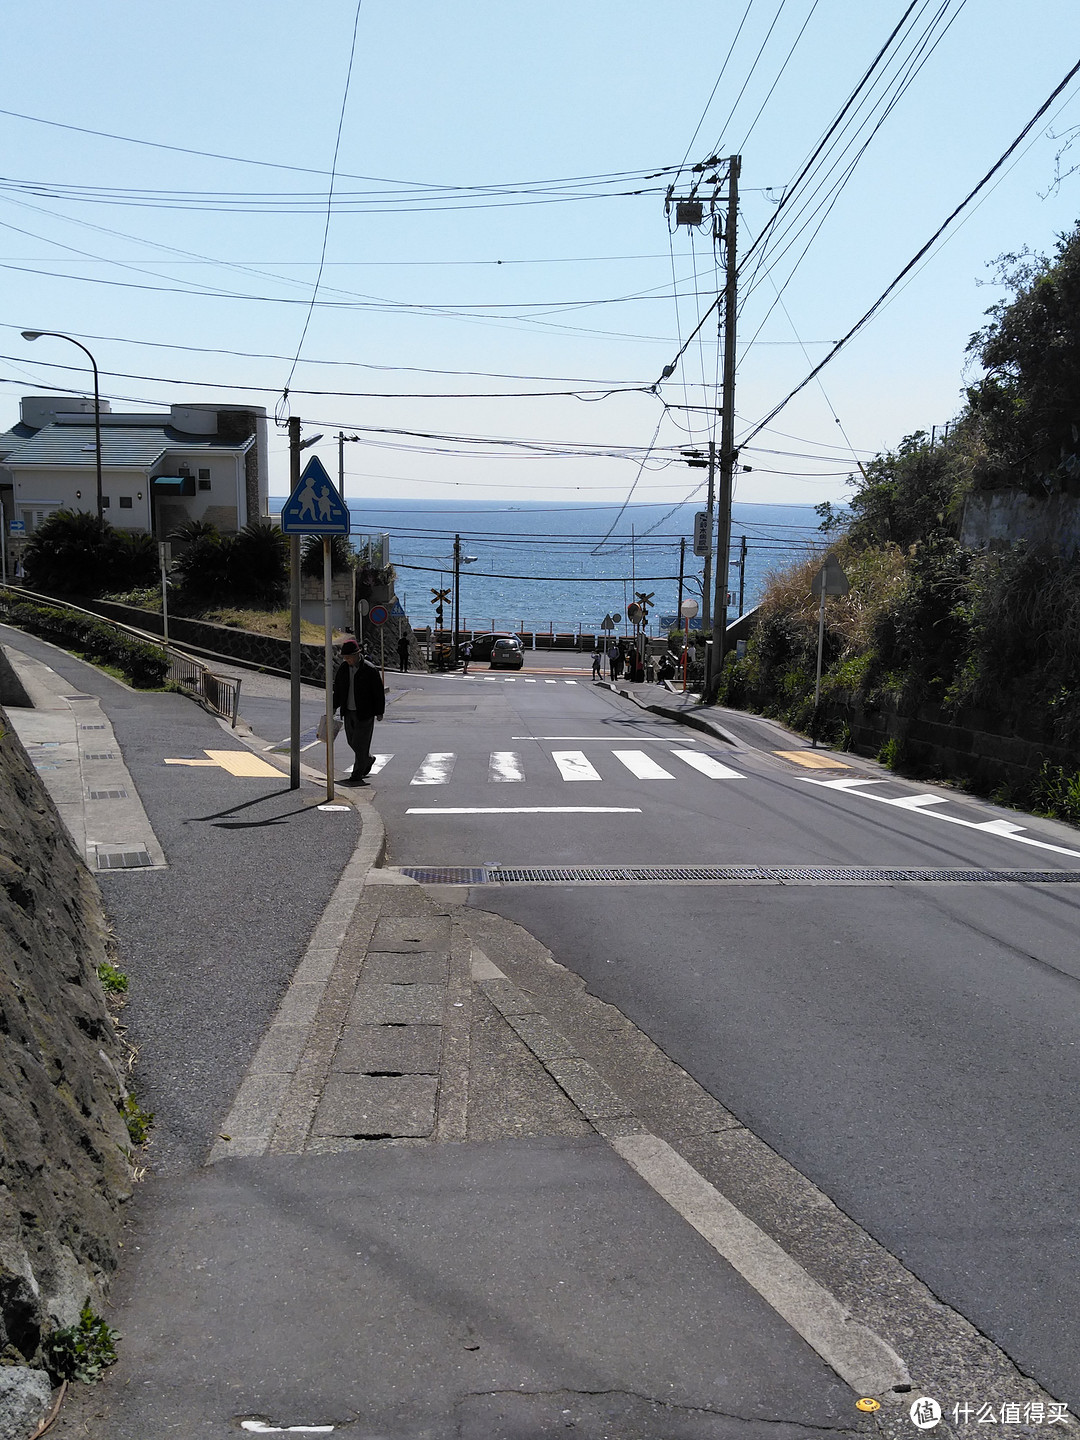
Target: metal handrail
x,y
221,694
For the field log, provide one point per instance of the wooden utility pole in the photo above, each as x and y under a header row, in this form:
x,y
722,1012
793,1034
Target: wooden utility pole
x,y
727,438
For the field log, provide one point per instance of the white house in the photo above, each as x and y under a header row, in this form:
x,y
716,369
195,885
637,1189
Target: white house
x,y
191,462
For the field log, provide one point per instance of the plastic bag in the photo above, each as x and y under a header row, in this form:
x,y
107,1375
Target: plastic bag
x,y
320,732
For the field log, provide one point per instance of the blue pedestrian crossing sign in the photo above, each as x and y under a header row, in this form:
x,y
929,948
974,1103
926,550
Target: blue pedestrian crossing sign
x,y
315,507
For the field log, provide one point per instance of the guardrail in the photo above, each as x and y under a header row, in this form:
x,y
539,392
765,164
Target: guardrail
x,y
221,694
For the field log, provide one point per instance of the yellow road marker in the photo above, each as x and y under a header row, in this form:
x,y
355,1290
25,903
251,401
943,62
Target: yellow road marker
x,y
812,759
236,762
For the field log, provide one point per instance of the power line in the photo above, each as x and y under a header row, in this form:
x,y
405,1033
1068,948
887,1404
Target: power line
x,y
919,255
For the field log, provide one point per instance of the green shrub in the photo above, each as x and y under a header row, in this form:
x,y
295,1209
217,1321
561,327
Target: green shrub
x,y
1057,793
82,1351
144,665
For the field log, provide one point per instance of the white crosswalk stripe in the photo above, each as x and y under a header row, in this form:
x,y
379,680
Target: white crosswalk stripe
x,y
643,766
707,765
505,765
574,766
436,769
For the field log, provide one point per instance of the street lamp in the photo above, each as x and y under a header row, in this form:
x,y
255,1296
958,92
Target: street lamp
x,y
58,335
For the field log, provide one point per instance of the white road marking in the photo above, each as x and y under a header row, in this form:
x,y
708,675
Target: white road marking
x,y
861,1358
569,682
551,682
381,762
573,765
1005,828
915,802
687,741
530,680
505,765
530,810
643,766
436,769
707,765
510,679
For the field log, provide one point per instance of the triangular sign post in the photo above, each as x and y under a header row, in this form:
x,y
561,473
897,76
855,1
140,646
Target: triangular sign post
x,y
315,507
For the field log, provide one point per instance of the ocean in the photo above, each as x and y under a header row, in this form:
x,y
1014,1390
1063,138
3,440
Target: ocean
x,y
534,565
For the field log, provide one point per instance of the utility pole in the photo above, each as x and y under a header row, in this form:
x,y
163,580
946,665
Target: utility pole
x,y
727,435
457,594
710,510
294,633
742,573
682,569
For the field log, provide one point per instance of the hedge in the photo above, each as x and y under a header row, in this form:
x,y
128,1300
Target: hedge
x,y
146,666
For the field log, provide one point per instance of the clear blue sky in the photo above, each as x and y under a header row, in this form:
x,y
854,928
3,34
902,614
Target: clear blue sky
x,y
135,249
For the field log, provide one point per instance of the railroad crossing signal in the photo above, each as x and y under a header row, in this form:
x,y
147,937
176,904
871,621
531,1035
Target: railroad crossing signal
x,y
646,599
440,597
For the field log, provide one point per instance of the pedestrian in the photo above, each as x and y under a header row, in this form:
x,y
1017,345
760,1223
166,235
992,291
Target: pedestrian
x,y
466,655
632,663
359,695
615,663
596,665
403,651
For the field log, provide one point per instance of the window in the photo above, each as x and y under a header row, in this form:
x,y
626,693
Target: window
x,y
125,502
105,502
204,475
204,484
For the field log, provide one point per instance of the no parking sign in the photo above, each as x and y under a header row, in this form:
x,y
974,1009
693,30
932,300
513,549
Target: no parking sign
x,y
377,615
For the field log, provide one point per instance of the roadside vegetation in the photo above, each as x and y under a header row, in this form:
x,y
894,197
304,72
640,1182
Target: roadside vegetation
x,y
993,634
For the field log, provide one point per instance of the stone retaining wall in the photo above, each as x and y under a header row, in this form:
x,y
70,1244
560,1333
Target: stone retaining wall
x,y
64,1146
965,745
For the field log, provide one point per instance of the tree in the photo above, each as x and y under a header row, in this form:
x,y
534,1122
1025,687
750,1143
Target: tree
x,y
342,555
258,565
1025,411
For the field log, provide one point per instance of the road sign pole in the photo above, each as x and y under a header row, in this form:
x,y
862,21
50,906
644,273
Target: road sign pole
x,y
294,601
328,665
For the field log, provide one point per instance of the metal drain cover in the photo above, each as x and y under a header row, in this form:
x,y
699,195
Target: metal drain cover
x,y
681,874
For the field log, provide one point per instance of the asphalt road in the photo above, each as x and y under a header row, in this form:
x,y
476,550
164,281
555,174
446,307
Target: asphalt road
x,y
913,1048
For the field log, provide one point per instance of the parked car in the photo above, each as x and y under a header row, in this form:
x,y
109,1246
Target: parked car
x,y
482,645
507,654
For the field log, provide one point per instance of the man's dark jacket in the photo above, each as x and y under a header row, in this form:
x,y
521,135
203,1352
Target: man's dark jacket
x,y
368,689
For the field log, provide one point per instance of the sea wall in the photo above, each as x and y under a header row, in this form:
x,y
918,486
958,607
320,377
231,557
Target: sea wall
x,y
64,1148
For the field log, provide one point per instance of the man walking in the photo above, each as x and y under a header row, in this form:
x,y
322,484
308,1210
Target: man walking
x,y
403,651
359,695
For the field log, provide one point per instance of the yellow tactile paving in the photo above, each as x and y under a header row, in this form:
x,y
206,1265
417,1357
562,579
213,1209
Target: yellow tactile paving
x,y
236,762
812,759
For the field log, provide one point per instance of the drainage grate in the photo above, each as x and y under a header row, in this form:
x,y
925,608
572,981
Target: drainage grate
x,y
119,794
122,859
675,874
91,727
99,755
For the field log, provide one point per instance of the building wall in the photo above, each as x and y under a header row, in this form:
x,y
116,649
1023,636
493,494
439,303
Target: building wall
x,y
37,492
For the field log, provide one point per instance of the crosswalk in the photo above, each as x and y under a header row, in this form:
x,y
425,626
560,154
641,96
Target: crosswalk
x,y
515,679
508,766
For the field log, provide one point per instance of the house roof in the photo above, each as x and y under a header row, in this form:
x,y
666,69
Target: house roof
x,y
134,447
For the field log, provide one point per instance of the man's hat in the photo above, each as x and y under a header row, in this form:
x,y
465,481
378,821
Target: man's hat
x,y
350,648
